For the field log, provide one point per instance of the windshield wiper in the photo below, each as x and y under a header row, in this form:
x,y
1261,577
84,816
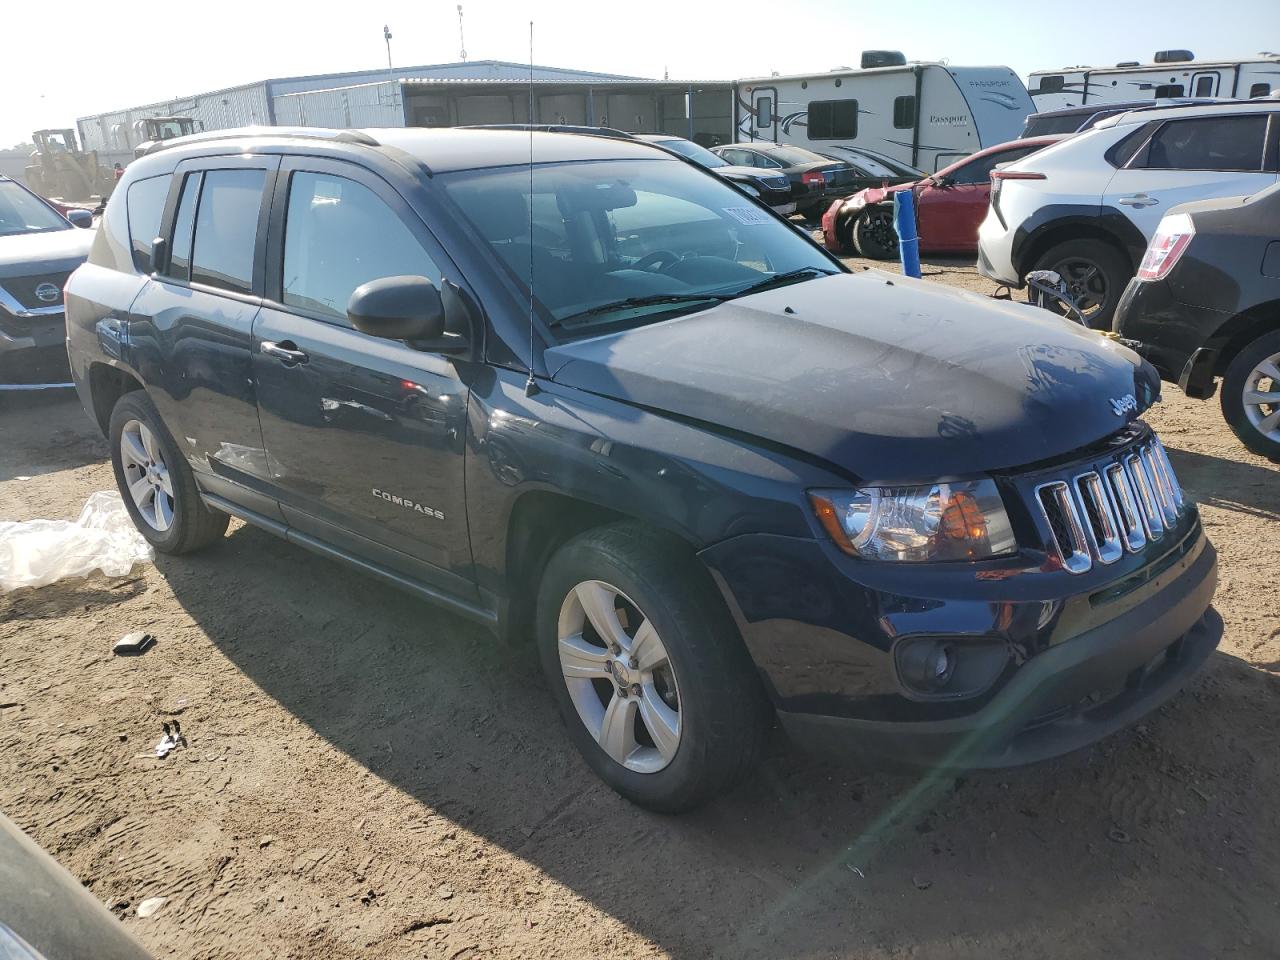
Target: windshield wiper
x,y
651,300
781,278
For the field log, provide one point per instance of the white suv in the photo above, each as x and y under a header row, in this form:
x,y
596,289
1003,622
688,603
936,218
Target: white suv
x,y
1086,207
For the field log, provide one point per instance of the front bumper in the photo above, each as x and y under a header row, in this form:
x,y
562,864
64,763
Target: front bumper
x,y
33,356
1067,697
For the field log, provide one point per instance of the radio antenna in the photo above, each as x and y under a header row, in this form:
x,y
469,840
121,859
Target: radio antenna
x,y
530,385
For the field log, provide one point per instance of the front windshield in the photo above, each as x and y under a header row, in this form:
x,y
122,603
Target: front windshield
x,y
699,155
168,129
602,235
22,212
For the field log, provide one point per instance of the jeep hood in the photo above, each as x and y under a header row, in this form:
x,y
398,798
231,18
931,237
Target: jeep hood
x,y
889,379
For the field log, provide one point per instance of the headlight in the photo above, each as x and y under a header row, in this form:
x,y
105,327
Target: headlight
x,y
945,521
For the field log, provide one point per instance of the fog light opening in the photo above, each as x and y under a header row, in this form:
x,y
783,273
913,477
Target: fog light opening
x,y
927,666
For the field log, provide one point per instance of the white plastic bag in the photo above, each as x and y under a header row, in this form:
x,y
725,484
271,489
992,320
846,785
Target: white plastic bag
x,y
34,553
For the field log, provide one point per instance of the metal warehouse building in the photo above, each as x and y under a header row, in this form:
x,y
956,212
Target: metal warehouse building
x,y
449,94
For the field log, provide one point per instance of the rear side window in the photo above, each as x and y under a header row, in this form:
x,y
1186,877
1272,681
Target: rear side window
x,y
180,255
1052,83
1167,90
1207,143
227,229
1260,90
833,119
145,206
904,112
338,235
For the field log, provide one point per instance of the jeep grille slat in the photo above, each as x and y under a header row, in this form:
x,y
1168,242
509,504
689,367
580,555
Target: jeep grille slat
x,y
1117,507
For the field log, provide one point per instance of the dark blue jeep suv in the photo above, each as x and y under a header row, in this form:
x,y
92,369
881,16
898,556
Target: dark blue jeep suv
x,y
580,388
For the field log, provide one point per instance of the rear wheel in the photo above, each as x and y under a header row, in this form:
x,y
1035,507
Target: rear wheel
x,y
1095,273
873,234
645,663
155,481
1251,396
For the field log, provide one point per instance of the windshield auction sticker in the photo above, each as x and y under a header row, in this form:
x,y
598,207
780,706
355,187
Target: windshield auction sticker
x,y
748,215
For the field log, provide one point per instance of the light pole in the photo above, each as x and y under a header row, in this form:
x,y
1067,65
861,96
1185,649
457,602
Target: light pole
x,y
462,40
386,35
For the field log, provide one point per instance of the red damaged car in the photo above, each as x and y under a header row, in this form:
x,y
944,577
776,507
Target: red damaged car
x,y
950,205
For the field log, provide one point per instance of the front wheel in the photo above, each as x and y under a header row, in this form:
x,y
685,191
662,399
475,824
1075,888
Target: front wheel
x,y
1251,396
1095,273
155,481
653,682
873,234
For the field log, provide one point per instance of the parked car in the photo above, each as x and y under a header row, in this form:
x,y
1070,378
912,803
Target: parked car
x,y
1086,207
47,914
665,475
875,166
1086,117
773,189
815,179
1205,303
950,205
38,250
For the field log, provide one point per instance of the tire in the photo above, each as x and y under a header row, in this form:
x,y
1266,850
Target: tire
x,y
873,234
1096,273
716,713
1257,425
173,518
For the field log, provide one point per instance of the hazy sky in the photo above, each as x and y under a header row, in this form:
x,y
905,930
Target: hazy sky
x,y
72,58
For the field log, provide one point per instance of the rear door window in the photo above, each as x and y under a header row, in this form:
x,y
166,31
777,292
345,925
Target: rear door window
x,y
338,235
227,229
145,206
1207,143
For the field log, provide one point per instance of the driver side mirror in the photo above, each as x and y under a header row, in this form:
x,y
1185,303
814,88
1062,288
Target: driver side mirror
x,y
397,308
941,182
159,255
81,218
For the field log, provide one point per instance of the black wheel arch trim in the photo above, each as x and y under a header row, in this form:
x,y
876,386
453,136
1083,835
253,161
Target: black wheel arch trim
x,y
1038,232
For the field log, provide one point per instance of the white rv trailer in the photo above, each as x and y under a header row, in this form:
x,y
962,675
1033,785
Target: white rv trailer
x,y
923,114
1173,73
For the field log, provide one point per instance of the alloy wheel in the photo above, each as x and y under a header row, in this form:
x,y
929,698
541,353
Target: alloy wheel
x,y
619,677
1261,397
1087,285
146,475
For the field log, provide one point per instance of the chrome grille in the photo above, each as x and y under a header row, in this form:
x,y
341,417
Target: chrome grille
x,y
1115,507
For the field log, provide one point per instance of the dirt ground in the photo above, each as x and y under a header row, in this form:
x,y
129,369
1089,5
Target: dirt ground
x,y
368,776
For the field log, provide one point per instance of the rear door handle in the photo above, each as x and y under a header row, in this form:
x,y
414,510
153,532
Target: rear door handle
x,y
286,351
1138,200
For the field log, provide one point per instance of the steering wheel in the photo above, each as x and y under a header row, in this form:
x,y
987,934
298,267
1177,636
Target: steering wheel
x,y
654,258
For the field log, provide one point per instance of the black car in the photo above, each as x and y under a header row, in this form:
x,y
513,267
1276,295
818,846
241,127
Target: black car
x,y
39,248
602,401
815,180
773,189
1086,117
1206,304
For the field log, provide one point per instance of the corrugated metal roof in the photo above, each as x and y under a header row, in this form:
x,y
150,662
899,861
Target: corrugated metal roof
x,y
538,81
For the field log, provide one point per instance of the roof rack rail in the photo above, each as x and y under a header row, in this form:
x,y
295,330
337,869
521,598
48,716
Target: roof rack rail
x,y
298,133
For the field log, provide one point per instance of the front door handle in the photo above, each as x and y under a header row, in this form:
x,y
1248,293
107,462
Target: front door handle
x,y
286,351
1138,200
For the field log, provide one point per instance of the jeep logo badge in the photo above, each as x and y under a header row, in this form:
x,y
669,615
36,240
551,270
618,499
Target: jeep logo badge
x,y
47,293
1122,405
